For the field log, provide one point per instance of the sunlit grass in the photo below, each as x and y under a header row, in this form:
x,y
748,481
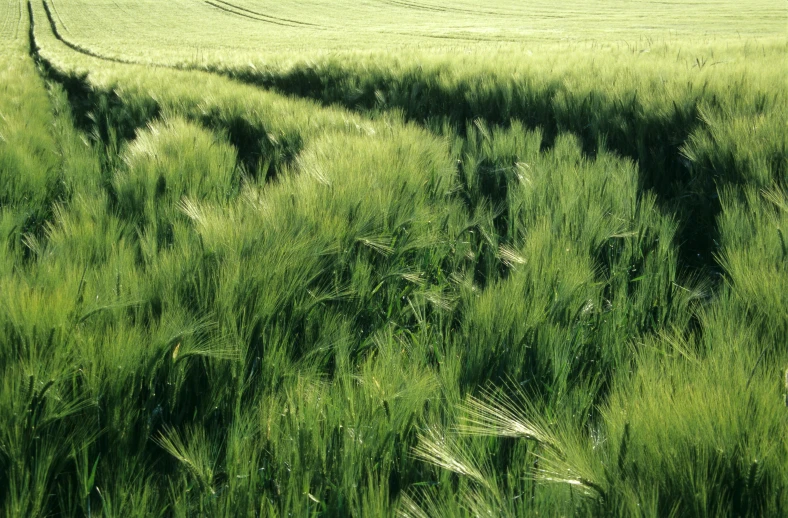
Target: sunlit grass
x,y
484,284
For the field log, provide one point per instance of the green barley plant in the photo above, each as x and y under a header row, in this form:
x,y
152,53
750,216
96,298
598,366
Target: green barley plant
x,y
392,259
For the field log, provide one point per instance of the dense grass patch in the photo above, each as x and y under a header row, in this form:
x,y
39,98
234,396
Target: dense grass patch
x,y
665,109
454,289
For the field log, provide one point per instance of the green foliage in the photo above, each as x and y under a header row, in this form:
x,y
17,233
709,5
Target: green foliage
x,y
29,164
473,285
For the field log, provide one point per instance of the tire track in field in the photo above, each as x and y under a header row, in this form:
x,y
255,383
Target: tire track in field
x,y
231,9
249,149
73,46
435,8
60,18
263,15
88,52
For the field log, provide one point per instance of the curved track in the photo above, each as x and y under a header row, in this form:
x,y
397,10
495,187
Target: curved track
x,y
254,15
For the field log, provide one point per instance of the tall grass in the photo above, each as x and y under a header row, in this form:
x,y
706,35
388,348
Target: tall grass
x,y
29,161
645,101
237,303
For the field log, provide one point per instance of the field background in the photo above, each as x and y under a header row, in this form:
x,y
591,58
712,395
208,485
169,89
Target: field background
x,y
173,32
393,258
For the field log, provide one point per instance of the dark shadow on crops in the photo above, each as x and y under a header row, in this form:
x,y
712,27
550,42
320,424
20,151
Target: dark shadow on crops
x,y
653,141
259,154
111,120
99,114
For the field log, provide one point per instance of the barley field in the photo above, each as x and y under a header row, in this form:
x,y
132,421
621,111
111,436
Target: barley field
x,y
393,258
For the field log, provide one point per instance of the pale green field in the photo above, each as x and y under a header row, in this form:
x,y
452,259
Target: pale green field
x,y
179,30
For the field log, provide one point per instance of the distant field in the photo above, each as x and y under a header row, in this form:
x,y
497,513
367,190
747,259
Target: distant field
x,y
241,29
393,258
